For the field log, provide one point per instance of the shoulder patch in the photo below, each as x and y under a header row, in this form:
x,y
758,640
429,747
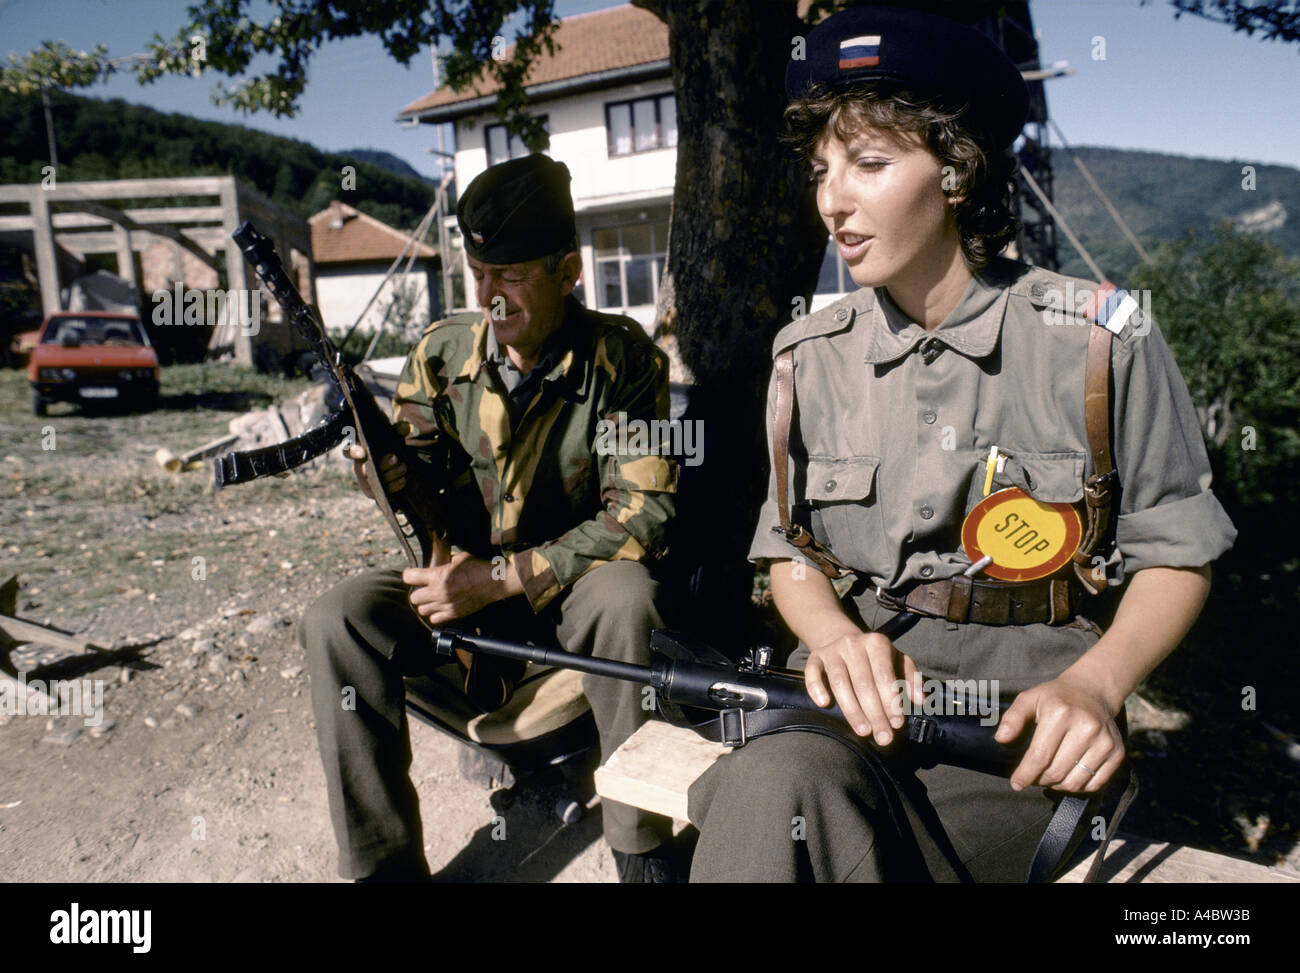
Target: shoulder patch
x,y
1111,307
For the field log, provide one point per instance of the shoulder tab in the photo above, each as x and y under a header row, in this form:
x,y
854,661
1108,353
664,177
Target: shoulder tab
x,y
1076,300
830,319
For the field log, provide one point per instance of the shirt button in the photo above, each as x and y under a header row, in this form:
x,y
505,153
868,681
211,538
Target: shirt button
x,y
842,314
927,512
926,571
929,415
509,498
830,485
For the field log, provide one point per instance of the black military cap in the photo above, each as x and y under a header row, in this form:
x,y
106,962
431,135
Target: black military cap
x,y
517,210
918,50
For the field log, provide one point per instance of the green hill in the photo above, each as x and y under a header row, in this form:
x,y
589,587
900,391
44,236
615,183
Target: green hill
x,y
116,140
1162,197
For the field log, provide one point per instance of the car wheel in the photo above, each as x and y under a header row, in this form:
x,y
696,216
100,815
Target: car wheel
x,y
38,404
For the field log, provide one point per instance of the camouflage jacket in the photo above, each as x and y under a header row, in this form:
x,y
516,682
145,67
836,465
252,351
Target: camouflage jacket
x,y
561,498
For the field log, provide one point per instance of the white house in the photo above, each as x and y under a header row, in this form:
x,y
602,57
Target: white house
x,y
352,253
606,97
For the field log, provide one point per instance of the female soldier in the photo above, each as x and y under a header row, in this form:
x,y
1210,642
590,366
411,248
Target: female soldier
x,y
952,374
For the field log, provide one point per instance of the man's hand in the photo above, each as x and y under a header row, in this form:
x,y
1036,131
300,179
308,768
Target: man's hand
x,y
862,670
1074,734
391,471
465,585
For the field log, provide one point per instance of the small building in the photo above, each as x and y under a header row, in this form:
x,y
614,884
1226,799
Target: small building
x,y
606,98
353,253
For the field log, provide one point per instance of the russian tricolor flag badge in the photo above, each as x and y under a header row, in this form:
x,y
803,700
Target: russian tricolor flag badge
x,y
860,52
1110,307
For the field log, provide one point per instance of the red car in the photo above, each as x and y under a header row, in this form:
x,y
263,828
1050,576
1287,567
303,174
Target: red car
x,y
93,357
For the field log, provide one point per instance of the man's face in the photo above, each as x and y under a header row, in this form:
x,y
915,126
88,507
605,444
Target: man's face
x,y
523,302
883,202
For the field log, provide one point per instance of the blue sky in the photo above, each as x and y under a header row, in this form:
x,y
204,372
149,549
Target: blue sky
x,y
1188,87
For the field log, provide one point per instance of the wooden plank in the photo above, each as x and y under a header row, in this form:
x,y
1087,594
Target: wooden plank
x,y
120,188
654,768
657,765
1131,859
22,631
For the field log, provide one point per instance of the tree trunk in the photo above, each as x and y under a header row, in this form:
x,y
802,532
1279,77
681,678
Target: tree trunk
x,y
745,237
745,242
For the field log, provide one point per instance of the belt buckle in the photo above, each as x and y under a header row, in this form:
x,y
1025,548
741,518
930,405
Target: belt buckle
x,y
731,727
890,601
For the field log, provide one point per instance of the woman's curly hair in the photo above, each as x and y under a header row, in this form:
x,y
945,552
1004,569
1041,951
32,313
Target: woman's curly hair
x,y
982,175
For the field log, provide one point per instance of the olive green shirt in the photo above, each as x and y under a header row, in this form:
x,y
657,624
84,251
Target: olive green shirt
x,y
894,427
564,493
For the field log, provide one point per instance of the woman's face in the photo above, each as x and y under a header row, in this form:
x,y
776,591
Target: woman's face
x,y
883,202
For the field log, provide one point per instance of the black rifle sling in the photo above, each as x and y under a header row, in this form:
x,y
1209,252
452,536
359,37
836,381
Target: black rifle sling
x,y
281,457
1060,839
758,723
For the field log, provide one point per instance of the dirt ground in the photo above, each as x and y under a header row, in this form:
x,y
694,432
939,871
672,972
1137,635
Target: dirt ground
x,y
205,766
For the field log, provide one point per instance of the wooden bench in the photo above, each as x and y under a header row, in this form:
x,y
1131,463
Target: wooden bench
x,y
656,766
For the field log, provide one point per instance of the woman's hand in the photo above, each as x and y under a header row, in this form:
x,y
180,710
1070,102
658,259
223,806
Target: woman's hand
x,y
1076,746
862,670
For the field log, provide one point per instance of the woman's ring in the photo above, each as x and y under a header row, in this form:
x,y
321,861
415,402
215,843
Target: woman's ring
x,y
1080,763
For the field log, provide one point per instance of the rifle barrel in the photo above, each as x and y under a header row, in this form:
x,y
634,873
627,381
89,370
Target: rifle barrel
x,y
446,641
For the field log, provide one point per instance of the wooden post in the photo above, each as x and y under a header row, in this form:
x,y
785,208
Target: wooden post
x,y
47,265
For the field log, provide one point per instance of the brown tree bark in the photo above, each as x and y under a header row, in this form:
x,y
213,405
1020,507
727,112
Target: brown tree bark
x,y
745,238
745,245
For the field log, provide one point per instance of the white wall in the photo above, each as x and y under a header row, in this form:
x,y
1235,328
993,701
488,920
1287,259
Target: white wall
x,y
577,127
341,295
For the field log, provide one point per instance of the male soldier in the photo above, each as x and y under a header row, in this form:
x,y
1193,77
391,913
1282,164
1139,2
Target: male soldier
x,y
522,389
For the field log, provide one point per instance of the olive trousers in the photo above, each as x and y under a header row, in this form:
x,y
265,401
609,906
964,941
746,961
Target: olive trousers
x,y
798,806
363,636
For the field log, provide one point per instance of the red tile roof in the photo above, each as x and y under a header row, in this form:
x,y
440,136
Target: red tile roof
x,y
361,237
590,43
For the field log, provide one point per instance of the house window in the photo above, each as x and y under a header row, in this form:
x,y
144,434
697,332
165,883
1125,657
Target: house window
x,y
501,146
629,262
641,125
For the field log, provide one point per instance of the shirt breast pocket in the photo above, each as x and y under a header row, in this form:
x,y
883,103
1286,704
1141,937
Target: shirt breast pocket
x,y
1048,477
840,493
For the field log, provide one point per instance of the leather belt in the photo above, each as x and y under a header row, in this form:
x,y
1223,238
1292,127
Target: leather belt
x,y
1052,600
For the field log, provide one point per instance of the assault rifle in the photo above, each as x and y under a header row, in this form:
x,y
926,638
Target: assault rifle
x,y
754,697
419,513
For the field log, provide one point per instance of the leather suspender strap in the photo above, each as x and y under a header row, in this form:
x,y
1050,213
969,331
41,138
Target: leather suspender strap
x,y
781,434
1097,490
807,545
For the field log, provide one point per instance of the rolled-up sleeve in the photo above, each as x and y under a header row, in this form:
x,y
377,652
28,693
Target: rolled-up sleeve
x,y
1168,516
637,489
